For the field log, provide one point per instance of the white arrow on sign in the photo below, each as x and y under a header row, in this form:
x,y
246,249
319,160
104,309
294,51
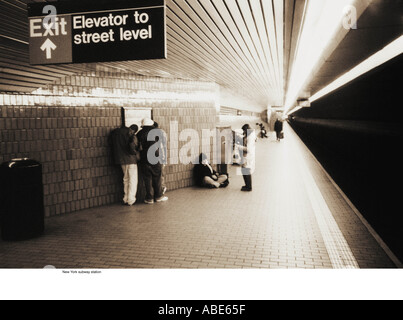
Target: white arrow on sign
x,y
48,46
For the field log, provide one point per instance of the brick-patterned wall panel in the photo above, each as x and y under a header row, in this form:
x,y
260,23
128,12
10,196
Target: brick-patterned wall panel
x,y
66,127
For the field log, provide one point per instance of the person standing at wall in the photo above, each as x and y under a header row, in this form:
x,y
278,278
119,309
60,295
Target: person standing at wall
x,y
151,170
249,156
278,127
126,155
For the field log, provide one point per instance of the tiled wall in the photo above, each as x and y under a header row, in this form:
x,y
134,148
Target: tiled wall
x,y
66,128
72,145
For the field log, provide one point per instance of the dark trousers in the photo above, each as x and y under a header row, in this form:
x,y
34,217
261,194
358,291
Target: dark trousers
x,y
247,177
152,180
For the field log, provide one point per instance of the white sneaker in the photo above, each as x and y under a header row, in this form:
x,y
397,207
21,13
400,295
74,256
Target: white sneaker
x,y
163,199
149,202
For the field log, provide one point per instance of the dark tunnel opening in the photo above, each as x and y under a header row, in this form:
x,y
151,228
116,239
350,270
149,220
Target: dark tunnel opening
x,y
356,133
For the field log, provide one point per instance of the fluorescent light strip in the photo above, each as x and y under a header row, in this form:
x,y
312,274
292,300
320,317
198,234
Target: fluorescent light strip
x,y
391,51
322,20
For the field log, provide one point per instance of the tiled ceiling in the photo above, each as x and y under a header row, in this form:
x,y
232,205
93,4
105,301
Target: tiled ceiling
x,y
246,46
237,44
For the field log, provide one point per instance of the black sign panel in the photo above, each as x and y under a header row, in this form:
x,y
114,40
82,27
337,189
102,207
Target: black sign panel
x,y
100,31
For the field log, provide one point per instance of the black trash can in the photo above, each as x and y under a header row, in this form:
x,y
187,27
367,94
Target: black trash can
x,y
22,214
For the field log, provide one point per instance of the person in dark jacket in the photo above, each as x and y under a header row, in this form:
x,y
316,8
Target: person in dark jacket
x,y
135,129
278,127
151,164
125,153
206,176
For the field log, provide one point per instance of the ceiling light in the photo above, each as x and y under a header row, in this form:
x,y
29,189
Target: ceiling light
x,y
388,53
322,20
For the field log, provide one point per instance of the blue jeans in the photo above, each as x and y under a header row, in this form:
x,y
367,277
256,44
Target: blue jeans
x,y
152,180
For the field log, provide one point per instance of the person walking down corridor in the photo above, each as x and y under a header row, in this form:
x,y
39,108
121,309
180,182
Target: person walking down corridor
x,y
278,127
249,156
126,154
151,164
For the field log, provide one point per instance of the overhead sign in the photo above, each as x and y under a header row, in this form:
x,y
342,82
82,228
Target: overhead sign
x,y
96,31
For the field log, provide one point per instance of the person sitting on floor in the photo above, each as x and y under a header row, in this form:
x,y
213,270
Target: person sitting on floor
x,y
207,177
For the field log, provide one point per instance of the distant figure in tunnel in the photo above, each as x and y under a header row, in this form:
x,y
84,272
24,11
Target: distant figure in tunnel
x,y
278,127
249,156
126,154
205,176
263,131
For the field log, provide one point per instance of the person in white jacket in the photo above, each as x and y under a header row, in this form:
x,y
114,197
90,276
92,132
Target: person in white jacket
x,y
249,156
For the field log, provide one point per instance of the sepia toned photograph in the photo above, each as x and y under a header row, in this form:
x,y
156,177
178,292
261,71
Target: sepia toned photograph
x,y
231,135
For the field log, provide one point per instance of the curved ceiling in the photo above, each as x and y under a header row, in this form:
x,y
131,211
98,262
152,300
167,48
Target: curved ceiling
x,y
237,44
245,46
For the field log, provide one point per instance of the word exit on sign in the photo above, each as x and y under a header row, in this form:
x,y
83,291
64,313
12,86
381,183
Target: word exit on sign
x,y
96,31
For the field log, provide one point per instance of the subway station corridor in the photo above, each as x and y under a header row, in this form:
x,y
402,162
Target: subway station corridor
x,y
85,84
296,217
